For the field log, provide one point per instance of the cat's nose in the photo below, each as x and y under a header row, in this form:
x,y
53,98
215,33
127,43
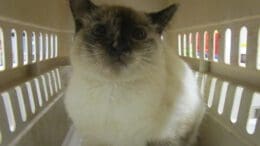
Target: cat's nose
x,y
117,50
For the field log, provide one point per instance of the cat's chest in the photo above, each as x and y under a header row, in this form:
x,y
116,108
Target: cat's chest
x,y
115,99
116,96
114,107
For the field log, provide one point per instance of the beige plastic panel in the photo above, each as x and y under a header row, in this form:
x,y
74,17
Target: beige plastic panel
x,y
198,13
222,127
248,75
210,15
53,14
34,109
142,5
221,15
39,17
37,114
53,17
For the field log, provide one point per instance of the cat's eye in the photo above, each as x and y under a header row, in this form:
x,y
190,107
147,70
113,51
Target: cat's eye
x,y
139,34
99,30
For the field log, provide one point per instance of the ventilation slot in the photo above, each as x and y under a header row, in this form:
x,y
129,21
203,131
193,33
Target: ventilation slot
x,y
258,52
242,47
190,45
228,40
14,48
179,44
198,45
185,45
206,45
50,84
2,50
31,98
25,48
41,47
59,79
211,92
34,55
52,46
45,88
216,45
236,104
223,96
46,46
21,103
254,114
38,91
203,84
56,46
9,111
55,81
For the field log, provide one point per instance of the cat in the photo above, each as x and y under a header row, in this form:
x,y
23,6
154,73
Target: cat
x,y
128,88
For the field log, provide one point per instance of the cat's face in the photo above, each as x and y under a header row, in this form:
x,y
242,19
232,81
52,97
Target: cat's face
x,y
115,40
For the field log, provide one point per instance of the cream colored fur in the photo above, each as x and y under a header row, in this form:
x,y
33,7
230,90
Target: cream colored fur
x,y
151,103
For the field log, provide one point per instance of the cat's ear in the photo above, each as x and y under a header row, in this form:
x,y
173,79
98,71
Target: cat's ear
x,y
79,8
162,18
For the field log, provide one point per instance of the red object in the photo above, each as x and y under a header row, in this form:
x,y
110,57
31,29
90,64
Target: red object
x,y
206,44
216,44
197,43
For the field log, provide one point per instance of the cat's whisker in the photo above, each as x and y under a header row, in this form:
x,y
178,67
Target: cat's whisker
x,y
144,62
90,45
94,54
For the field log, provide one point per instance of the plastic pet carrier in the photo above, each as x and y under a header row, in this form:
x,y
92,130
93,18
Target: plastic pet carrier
x,y
219,39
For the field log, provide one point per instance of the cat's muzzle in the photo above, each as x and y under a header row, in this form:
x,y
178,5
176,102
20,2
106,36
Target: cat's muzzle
x,y
119,55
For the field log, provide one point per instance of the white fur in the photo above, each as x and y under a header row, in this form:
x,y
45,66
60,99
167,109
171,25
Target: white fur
x,y
156,103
